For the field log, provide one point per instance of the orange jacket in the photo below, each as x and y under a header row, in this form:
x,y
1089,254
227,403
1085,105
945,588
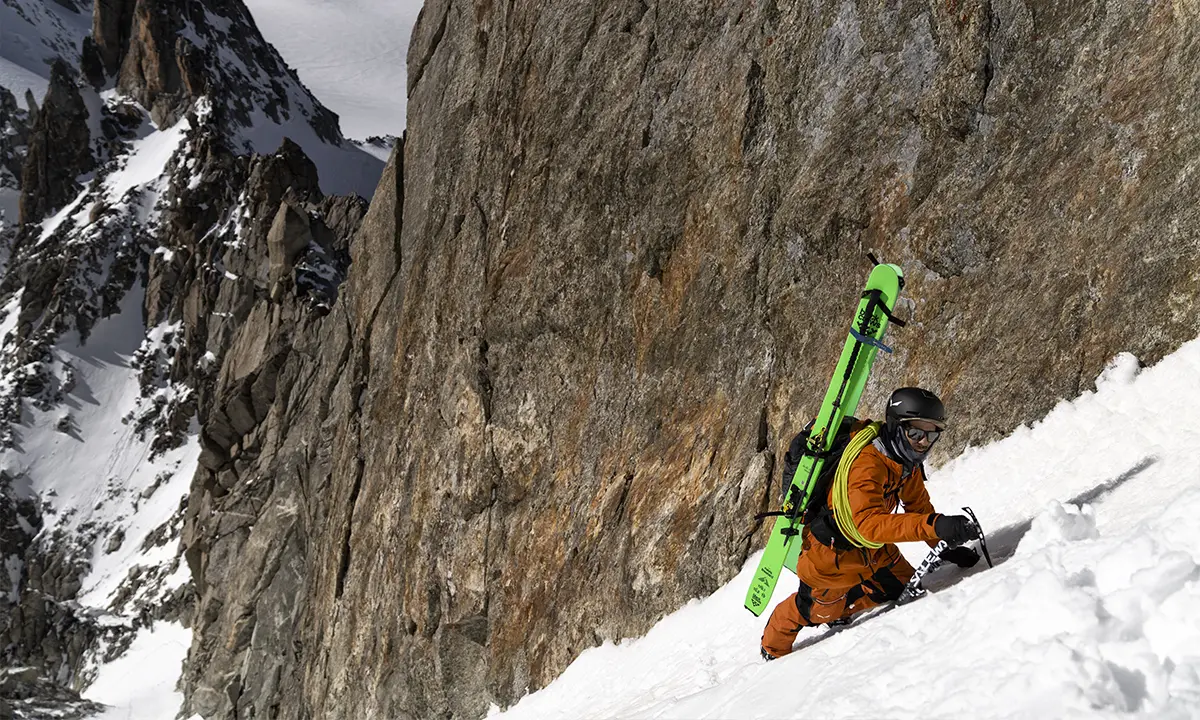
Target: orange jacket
x,y
876,490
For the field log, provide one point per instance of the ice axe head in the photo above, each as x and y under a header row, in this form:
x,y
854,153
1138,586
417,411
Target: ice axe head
x,y
979,531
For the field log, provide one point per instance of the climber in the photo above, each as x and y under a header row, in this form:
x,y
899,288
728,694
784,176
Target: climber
x,y
850,562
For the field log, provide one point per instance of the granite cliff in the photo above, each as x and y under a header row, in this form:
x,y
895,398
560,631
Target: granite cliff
x,y
580,330
630,232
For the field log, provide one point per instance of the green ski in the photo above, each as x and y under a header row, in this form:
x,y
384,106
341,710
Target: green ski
x,y
841,399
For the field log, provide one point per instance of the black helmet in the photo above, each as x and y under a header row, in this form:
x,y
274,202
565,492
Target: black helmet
x,y
911,403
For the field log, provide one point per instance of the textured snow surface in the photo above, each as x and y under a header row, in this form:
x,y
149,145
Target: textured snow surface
x,y
349,53
140,685
1092,611
96,475
32,34
99,482
17,79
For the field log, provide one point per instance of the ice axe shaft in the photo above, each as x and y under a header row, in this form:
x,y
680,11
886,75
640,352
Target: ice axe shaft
x,y
913,589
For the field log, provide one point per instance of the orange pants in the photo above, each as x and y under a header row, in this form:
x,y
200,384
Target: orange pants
x,y
814,606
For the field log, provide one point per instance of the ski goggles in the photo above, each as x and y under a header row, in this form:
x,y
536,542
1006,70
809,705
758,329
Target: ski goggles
x,y
916,434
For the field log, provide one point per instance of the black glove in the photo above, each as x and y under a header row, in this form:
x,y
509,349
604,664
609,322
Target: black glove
x,y
962,556
955,529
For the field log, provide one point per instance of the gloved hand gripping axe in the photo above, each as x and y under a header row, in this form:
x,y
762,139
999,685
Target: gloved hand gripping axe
x,y
982,537
913,589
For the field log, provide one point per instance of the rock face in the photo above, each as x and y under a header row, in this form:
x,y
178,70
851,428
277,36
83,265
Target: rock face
x,y
14,139
19,522
290,377
112,23
59,148
14,124
548,403
166,54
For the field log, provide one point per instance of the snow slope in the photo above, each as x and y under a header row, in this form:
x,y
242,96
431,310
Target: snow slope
x,y
350,53
140,685
1090,612
32,34
110,505
17,79
99,475
108,495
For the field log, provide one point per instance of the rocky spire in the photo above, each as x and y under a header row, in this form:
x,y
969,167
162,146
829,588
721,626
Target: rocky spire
x,y
58,148
112,22
14,131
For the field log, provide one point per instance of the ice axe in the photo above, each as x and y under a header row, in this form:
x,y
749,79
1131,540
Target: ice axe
x,y
982,538
913,589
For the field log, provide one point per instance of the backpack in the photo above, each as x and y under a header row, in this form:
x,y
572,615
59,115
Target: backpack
x,y
816,514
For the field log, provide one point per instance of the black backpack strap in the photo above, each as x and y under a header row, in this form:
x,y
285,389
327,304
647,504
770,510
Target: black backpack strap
x,y
773,513
876,298
824,528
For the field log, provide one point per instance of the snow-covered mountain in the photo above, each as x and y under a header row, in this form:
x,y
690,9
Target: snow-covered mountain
x,y
196,49
350,53
148,163
1091,610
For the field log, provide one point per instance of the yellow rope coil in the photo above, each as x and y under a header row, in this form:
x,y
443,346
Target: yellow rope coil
x,y
842,512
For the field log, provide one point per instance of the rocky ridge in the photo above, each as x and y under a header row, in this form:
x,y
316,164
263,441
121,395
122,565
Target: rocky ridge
x,y
25,695
144,235
164,55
